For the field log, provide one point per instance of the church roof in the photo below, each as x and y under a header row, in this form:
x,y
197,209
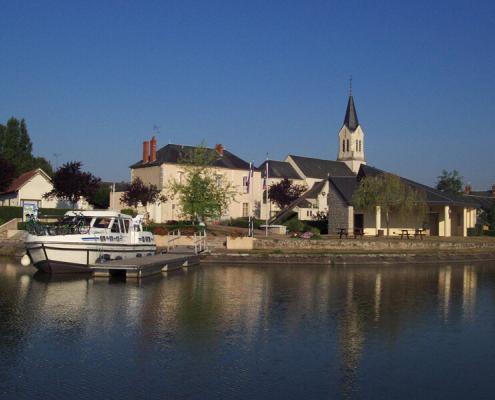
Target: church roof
x,y
279,169
345,186
321,169
351,119
172,154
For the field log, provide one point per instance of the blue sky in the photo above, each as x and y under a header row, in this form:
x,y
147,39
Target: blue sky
x,y
93,78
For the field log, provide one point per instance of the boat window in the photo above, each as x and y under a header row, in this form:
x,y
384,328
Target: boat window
x,y
115,226
126,225
102,222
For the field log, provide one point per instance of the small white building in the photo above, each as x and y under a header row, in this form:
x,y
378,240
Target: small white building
x,y
29,188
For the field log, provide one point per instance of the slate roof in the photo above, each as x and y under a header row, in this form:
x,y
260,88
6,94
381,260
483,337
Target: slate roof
x,y
172,154
433,196
351,119
21,180
279,169
321,169
345,186
484,199
301,201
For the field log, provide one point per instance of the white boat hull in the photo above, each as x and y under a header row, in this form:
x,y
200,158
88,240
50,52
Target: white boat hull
x,y
59,257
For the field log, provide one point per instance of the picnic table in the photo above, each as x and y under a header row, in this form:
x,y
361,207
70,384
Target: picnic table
x,y
418,232
342,232
345,232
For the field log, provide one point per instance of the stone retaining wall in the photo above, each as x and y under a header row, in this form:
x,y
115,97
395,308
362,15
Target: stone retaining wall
x,y
376,244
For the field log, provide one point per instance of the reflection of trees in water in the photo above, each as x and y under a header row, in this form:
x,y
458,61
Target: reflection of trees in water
x,y
209,306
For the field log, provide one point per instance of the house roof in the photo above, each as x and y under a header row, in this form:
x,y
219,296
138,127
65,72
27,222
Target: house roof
x,y
433,196
24,178
351,119
302,201
279,169
172,154
321,169
345,186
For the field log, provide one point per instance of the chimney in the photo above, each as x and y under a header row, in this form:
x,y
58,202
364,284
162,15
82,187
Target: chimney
x,y
219,149
146,152
153,149
467,189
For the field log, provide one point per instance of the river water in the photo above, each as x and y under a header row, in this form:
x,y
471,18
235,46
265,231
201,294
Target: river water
x,y
251,332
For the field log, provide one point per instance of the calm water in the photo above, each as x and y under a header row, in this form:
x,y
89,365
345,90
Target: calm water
x,y
405,332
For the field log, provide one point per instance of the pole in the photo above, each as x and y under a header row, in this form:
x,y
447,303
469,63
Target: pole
x,y
113,196
266,196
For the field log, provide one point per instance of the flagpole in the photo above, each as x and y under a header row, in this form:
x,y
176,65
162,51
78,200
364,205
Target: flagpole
x,y
266,197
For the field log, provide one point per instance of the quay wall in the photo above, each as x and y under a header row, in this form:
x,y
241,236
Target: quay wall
x,y
376,244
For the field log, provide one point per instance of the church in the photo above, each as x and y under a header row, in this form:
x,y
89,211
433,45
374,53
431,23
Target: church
x,y
331,185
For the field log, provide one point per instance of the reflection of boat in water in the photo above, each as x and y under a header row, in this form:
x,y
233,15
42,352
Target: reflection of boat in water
x,y
83,238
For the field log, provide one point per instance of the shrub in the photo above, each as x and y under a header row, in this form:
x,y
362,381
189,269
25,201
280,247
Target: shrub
x,y
129,211
160,230
476,231
294,225
7,212
53,212
313,230
489,233
243,222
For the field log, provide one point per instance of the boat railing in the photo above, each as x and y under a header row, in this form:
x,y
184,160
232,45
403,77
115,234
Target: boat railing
x,y
199,241
172,239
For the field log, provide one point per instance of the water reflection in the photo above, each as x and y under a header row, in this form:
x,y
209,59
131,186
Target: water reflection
x,y
244,331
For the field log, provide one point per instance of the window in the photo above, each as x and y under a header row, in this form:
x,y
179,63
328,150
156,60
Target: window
x,y
343,145
126,225
347,144
115,226
245,184
245,209
357,145
264,196
101,223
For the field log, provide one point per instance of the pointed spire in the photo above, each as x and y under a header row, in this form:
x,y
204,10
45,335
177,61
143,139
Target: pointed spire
x,y
351,119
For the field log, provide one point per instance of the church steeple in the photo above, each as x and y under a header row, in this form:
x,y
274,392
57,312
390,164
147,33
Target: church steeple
x,y
351,137
351,119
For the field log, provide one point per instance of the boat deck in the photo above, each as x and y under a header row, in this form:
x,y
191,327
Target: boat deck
x,y
146,266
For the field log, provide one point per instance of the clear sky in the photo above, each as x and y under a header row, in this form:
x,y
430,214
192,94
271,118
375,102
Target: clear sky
x,y
92,78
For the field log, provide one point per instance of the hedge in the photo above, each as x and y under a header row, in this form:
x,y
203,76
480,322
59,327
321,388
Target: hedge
x,y
55,212
8,212
243,222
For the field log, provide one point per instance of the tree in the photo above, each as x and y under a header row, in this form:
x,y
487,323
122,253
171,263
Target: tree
x,y
70,183
391,194
100,198
450,182
7,173
138,193
16,147
285,192
201,193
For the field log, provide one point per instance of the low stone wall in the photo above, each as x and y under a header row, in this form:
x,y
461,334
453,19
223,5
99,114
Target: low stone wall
x,y
375,244
240,243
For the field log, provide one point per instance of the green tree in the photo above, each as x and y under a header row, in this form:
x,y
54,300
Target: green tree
x,y
285,192
450,182
390,193
16,148
137,193
7,173
70,183
100,198
201,193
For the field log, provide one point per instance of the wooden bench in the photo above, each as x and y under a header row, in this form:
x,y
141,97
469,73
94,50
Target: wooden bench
x,y
419,233
404,232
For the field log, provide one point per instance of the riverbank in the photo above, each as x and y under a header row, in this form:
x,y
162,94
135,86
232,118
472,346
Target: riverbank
x,y
291,257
